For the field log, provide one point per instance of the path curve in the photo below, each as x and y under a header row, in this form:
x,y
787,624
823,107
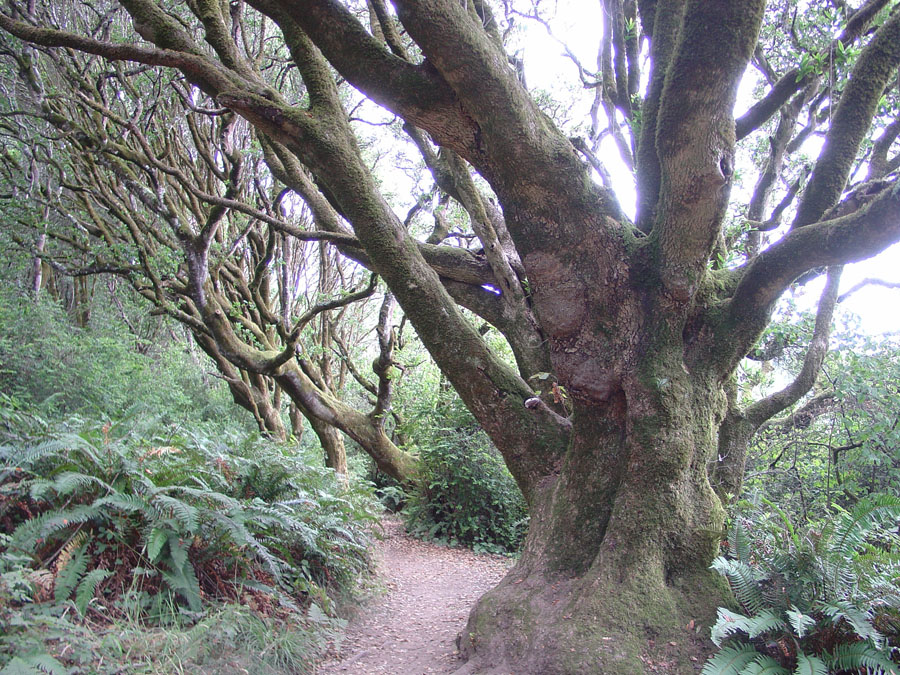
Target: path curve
x,y
411,629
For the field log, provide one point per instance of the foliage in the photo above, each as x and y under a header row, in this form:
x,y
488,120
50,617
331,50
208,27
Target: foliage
x,y
119,521
228,640
101,369
467,496
843,449
814,601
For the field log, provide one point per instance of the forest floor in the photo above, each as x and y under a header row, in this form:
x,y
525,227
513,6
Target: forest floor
x,y
411,628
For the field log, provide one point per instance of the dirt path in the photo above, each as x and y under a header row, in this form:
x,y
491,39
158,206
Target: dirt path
x,y
411,629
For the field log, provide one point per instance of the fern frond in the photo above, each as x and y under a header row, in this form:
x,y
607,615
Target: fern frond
x,y
88,587
183,579
186,514
765,622
28,455
155,542
67,577
730,661
765,665
244,538
65,554
28,534
859,620
206,495
727,624
800,622
177,552
743,581
66,483
861,655
38,663
852,528
123,501
810,665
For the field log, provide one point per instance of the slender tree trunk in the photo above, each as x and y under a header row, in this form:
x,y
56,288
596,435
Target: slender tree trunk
x,y
296,418
37,267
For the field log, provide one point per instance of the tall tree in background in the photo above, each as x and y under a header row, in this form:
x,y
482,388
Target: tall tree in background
x,y
639,325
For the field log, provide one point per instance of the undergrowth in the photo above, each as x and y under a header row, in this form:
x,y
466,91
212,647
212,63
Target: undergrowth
x,y
168,533
820,600
466,495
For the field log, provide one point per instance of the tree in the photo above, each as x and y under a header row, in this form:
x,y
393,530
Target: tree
x,y
101,218
636,327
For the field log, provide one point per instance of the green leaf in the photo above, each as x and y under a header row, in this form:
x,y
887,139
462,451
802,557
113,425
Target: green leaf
x,y
727,624
88,587
810,665
184,513
67,578
857,618
862,655
765,665
155,542
800,622
743,581
28,664
730,661
739,542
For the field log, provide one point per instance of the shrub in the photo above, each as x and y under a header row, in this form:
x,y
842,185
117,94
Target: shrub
x,y
467,496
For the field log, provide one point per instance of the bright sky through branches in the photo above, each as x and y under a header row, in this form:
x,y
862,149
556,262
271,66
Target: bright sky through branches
x,y
547,67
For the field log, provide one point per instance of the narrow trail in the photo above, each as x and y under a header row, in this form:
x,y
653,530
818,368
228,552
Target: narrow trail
x,y
411,629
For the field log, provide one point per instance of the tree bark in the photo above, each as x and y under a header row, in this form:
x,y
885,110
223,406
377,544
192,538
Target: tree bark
x,y
613,575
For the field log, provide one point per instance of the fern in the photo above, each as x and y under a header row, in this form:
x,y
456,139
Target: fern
x,y
730,623
186,515
243,537
815,590
859,620
810,665
208,495
67,577
40,662
71,482
155,542
800,622
88,587
730,661
860,655
123,502
852,529
765,665
743,581
28,535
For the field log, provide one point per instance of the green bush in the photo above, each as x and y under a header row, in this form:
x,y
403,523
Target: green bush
x,y
46,361
467,496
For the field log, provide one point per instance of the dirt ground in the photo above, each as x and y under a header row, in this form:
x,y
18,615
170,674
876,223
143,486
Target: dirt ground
x,y
411,629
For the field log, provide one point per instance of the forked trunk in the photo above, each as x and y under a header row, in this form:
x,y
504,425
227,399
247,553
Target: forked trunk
x,y
614,576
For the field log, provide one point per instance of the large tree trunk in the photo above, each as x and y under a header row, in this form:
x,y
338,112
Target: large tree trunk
x,y
614,573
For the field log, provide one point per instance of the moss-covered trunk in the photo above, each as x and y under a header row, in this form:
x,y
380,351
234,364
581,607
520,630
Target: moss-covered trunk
x,y
614,574
332,445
